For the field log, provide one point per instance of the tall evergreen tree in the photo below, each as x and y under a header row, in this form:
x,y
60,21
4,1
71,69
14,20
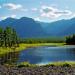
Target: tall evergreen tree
x,y
1,37
10,37
15,39
7,36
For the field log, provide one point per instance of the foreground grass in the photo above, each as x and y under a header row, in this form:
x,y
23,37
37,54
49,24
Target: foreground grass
x,y
62,63
4,50
65,63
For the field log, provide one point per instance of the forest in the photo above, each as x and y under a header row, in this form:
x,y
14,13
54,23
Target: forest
x,y
8,37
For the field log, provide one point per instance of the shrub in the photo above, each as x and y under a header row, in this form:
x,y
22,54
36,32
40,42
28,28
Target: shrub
x,y
66,65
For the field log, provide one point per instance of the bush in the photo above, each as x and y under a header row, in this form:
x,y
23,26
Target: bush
x,y
20,66
66,65
52,65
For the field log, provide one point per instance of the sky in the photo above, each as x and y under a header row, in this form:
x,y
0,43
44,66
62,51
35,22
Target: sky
x,y
40,10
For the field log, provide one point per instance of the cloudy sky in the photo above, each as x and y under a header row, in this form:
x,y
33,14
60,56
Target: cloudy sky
x,y
41,10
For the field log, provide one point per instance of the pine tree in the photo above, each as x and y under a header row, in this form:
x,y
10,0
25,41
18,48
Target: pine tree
x,y
1,37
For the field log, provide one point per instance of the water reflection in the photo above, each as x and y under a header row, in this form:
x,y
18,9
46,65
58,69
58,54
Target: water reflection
x,y
40,55
9,58
47,54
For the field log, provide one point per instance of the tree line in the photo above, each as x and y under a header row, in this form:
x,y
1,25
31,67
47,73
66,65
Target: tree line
x,y
42,40
8,37
70,40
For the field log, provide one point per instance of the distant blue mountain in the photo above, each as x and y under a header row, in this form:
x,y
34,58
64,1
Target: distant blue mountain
x,y
27,27
60,28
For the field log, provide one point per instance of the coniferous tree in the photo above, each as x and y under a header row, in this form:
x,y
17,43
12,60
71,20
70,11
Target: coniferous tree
x,y
8,37
1,37
70,39
15,39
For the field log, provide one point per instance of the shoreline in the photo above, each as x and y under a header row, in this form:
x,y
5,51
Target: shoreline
x,y
21,47
55,63
4,50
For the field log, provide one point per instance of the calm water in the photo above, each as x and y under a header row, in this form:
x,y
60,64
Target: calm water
x,y
44,55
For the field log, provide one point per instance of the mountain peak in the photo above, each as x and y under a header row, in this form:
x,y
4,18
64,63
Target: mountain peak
x,y
25,18
9,18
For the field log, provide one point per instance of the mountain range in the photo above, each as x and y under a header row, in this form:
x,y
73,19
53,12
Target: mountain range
x,y
28,27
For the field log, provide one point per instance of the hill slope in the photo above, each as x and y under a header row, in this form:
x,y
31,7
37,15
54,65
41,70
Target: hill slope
x,y
26,27
60,28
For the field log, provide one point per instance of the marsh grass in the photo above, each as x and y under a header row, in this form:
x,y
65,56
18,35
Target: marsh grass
x,y
4,50
62,63
52,64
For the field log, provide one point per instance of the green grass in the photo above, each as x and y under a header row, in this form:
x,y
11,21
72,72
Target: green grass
x,y
4,50
64,64
26,64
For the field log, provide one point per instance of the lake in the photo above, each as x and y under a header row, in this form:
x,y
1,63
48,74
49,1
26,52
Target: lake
x,y
45,55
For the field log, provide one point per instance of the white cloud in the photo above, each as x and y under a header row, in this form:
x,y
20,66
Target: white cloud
x,y
4,17
71,16
0,7
13,16
53,12
65,12
12,6
37,18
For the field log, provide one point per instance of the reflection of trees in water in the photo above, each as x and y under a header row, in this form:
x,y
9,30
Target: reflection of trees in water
x,y
71,53
71,50
11,57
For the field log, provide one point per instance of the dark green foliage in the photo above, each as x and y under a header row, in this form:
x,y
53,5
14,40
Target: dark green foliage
x,y
8,37
51,65
70,40
66,65
43,40
20,66
1,37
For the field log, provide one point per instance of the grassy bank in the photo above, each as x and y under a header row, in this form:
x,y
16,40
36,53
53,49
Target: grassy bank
x,y
4,50
63,63
60,63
